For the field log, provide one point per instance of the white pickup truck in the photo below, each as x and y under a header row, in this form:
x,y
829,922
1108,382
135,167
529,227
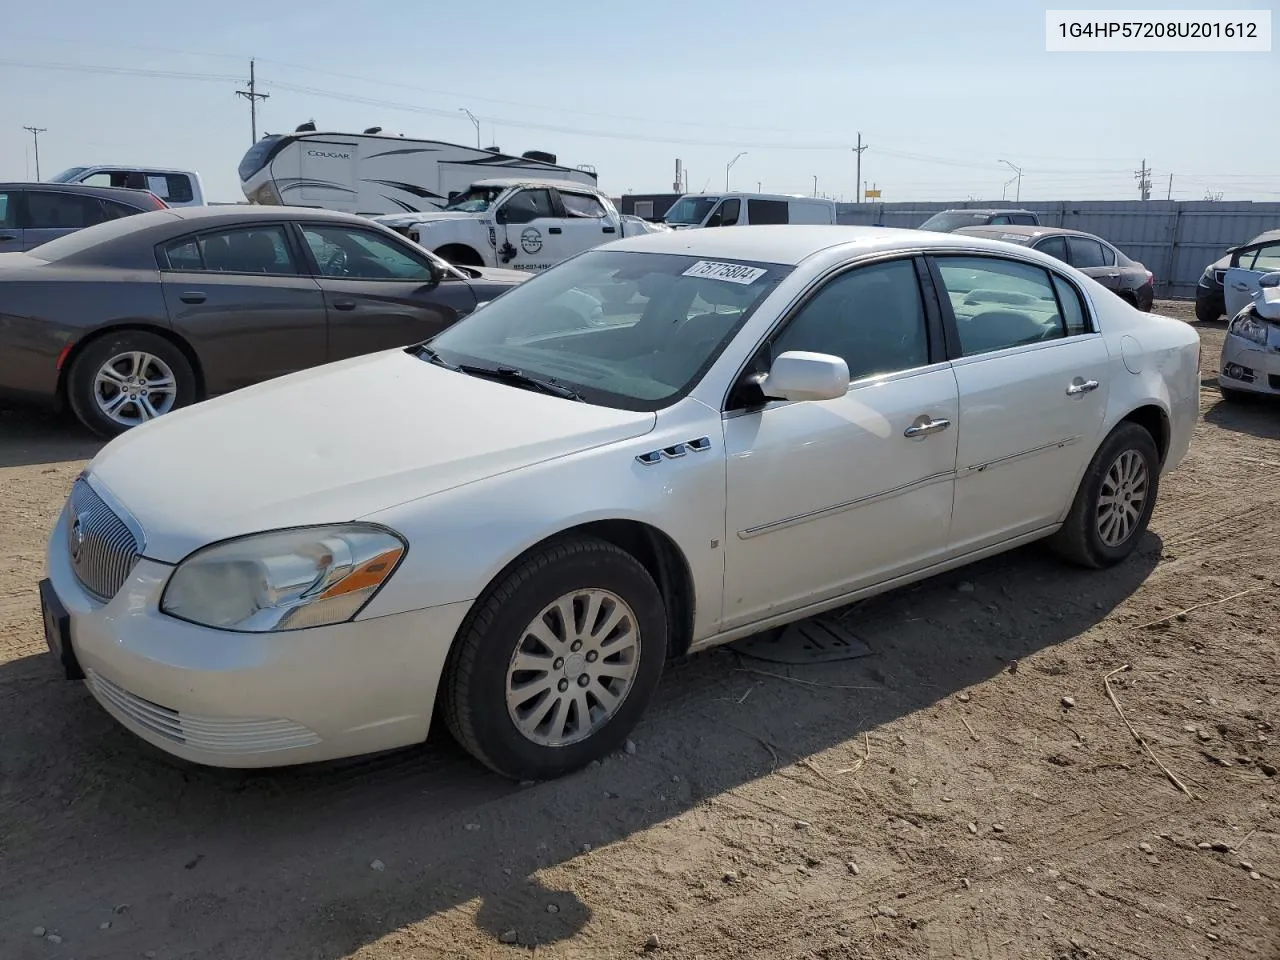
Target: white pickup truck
x,y
520,224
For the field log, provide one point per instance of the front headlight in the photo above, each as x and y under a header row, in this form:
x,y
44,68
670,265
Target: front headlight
x,y
1206,278
1248,326
286,580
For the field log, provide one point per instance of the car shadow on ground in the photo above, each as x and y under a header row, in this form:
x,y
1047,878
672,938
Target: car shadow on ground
x,y
323,860
1258,416
32,437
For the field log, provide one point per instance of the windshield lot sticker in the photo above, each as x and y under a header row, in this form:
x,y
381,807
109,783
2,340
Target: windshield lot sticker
x,y
530,240
729,272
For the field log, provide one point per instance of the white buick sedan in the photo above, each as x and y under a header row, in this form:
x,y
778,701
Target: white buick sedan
x,y
657,446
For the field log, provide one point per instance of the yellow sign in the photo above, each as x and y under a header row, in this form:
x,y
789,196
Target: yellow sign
x,y
872,194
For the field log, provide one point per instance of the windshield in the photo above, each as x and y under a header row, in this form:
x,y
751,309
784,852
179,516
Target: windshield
x,y
67,176
256,157
691,210
475,200
628,330
950,220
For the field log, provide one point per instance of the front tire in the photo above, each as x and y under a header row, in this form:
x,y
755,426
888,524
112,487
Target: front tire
x,y
121,380
1114,501
1206,313
557,661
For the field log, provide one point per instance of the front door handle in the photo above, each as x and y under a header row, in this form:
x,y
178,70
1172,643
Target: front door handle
x,y
7,236
1242,287
192,296
344,304
609,229
556,230
1081,386
923,427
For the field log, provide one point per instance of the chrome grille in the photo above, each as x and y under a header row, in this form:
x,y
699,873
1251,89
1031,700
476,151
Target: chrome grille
x,y
103,549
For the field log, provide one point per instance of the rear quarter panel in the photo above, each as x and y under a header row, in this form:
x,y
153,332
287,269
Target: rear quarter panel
x,y
44,310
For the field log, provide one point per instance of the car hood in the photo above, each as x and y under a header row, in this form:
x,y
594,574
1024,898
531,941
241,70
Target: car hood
x,y
333,444
426,216
499,275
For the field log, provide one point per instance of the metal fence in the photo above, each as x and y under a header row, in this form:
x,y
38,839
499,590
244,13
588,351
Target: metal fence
x,y
1175,240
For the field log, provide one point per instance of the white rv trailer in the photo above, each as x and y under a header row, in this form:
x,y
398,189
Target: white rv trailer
x,y
374,174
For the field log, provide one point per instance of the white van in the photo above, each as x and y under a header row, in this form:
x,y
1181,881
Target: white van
x,y
741,209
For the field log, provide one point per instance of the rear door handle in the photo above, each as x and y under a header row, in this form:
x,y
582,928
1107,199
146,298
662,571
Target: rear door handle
x,y
1242,287
192,296
923,427
554,230
344,304
1084,386
610,229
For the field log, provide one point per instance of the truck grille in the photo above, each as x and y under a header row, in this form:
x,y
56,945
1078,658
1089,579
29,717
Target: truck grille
x,y
102,548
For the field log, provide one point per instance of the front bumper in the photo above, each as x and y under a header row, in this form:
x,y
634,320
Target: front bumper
x,y
253,700
1246,365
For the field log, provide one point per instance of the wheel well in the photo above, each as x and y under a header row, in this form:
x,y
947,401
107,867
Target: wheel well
x,y
1152,419
1129,297
80,345
460,254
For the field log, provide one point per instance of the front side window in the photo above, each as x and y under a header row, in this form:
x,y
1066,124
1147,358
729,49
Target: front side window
x,y
49,211
344,253
629,330
527,206
727,215
1085,253
1000,303
582,205
1055,247
475,200
871,316
259,249
999,219
1264,259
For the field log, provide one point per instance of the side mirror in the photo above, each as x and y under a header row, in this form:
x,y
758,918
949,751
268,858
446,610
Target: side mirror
x,y
436,271
800,375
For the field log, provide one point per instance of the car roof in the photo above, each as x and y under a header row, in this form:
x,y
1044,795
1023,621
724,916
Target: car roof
x,y
249,211
1024,230
982,210
788,244
532,181
84,189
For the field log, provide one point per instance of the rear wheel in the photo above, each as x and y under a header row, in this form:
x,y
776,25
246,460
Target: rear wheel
x,y
1114,501
557,660
460,254
1206,313
121,380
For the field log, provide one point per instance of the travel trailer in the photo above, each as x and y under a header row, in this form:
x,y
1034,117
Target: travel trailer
x,y
372,173
741,209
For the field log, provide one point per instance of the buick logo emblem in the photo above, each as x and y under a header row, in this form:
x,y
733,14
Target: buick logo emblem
x,y
76,539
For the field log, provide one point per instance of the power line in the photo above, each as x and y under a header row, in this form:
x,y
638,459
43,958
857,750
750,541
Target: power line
x,y
253,97
35,136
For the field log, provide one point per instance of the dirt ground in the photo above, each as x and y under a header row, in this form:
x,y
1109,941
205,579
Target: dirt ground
x,y
941,798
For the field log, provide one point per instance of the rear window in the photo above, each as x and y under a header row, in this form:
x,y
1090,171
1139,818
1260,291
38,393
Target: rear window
x,y
950,220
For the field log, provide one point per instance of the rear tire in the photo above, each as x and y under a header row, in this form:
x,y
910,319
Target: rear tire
x,y
534,696
1114,501
460,254
1206,313
121,380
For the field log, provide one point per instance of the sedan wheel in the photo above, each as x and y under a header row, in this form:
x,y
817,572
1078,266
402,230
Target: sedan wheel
x,y
1114,501
122,380
556,660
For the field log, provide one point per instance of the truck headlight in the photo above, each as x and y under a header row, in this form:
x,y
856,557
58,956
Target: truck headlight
x,y
1249,327
285,580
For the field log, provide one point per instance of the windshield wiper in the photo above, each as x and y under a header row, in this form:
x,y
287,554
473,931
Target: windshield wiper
x,y
432,357
519,378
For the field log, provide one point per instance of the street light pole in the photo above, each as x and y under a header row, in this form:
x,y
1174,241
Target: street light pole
x,y
815,184
729,166
472,117
1018,171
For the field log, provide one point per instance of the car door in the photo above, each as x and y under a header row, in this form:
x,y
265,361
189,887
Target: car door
x,y
587,223
379,292
1032,374
10,231
239,296
53,213
531,231
1240,283
727,214
826,497
1088,256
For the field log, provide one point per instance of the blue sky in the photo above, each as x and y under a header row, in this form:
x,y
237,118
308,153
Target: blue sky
x,y
941,91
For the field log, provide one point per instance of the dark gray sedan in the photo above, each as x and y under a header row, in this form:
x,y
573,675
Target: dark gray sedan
x,y
127,320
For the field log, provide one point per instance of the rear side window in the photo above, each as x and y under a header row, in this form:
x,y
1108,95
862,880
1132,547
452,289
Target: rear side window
x,y
767,211
1000,218
262,250
47,210
999,304
170,187
582,205
1085,253
1025,219
1072,307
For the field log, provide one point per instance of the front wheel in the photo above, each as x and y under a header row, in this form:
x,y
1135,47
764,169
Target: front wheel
x,y
121,380
1114,501
557,660
1206,313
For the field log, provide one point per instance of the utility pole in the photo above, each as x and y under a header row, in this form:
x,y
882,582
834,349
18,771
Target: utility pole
x,y
475,122
1143,177
815,184
1170,195
253,97
858,177
35,137
1018,171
